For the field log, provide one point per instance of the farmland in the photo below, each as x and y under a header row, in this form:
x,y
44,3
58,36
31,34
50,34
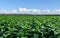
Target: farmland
x,y
26,26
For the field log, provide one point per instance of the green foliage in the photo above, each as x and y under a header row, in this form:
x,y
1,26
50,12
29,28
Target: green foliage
x,y
29,26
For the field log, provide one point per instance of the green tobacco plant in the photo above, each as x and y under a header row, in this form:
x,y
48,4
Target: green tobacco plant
x,y
29,26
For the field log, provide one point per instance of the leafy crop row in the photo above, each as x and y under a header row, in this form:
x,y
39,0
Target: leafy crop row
x,y
29,26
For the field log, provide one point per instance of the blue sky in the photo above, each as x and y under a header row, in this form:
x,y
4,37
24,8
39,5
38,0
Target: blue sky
x,y
38,4
30,4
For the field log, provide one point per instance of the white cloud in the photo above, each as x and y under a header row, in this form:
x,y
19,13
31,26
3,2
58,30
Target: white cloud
x,y
24,10
14,11
30,11
35,11
8,11
57,10
46,11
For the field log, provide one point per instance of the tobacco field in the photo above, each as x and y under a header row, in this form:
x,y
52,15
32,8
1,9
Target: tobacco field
x,y
12,26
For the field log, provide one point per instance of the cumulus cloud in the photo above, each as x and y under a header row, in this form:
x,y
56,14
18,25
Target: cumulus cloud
x,y
36,11
30,11
14,11
3,11
24,10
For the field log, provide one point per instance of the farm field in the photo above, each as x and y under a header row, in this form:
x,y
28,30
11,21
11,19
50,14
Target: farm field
x,y
26,26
